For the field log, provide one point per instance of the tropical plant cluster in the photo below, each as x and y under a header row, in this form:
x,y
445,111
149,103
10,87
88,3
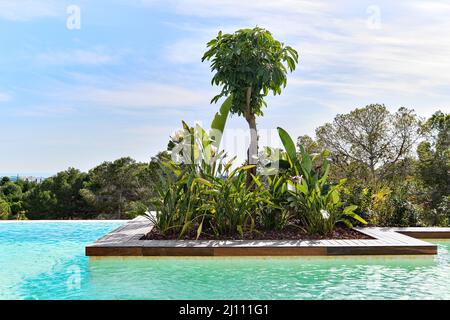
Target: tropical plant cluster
x,y
201,192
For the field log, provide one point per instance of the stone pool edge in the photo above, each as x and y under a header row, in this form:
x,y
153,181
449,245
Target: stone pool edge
x,y
125,241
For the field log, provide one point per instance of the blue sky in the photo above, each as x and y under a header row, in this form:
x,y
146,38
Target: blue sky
x,y
120,85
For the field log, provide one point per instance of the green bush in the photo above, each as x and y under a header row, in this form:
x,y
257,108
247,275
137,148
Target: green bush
x,y
5,210
198,193
385,206
316,201
274,212
439,216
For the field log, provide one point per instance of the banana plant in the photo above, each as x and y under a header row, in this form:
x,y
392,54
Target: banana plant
x,y
219,121
316,201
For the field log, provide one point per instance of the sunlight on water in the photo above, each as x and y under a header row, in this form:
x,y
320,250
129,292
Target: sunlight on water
x,y
46,261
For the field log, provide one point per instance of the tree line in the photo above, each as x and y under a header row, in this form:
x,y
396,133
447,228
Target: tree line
x,y
120,189
397,168
397,165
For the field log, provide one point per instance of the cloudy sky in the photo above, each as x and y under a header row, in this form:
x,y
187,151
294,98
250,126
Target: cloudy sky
x,y
119,83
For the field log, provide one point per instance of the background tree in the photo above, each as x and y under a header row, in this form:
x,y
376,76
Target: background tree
x,y
310,145
4,180
249,64
115,187
4,209
12,193
433,167
59,197
370,139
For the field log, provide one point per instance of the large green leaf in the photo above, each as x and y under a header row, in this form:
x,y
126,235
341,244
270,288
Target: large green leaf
x,y
349,211
201,181
306,162
220,120
199,230
288,144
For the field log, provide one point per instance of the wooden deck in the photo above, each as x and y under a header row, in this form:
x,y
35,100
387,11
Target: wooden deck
x,y
125,241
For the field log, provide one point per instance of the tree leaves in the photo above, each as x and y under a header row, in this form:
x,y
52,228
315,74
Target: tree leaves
x,y
288,144
370,138
220,120
249,58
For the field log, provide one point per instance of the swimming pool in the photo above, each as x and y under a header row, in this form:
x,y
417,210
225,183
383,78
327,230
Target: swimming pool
x,y
45,260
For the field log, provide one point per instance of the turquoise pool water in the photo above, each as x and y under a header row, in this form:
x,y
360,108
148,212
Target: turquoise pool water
x,y
45,260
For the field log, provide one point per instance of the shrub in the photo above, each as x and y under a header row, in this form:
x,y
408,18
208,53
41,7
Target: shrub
x,y
385,206
274,212
5,210
197,193
439,216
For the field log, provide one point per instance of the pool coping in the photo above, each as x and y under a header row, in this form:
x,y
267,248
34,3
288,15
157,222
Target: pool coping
x,y
64,221
125,241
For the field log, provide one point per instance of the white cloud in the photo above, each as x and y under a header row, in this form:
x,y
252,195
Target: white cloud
x,y
45,111
24,10
405,62
247,8
435,7
4,97
76,57
141,95
186,51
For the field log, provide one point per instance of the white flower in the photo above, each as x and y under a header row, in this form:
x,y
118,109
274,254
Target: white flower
x,y
178,136
325,214
213,150
296,179
290,187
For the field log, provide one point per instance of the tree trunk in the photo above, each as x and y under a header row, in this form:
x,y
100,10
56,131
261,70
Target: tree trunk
x,y
252,151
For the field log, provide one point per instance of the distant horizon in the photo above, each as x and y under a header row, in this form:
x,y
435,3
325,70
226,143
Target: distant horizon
x,y
27,174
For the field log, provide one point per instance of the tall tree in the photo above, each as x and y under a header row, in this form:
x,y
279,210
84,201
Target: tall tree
x,y
114,186
4,209
249,64
371,138
59,197
433,167
13,194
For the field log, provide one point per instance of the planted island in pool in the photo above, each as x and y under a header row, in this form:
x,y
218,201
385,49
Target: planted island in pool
x,y
280,202
277,194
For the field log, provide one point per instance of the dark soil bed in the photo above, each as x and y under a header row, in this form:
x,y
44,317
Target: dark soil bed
x,y
289,233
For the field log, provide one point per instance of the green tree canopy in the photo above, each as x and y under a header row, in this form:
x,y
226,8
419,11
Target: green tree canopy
x,y
433,167
4,209
11,191
371,139
114,187
59,197
4,180
249,64
310,145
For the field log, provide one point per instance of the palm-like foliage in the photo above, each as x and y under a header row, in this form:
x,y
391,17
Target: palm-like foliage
x,y
202,195
316,201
